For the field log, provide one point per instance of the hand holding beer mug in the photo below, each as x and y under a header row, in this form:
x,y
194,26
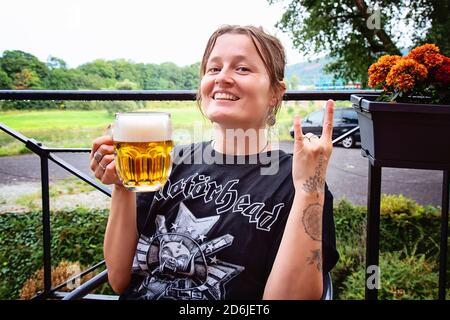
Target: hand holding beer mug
x,y
138,156
143,146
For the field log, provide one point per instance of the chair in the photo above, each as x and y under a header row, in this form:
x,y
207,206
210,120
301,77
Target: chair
x,y
82,292
327,287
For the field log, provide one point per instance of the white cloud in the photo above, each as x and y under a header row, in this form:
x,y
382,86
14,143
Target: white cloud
x,y
139,30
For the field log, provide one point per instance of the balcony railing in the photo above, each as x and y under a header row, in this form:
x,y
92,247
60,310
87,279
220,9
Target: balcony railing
x,y
47,154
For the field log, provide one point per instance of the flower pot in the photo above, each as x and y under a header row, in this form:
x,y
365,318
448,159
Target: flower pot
x,y
403,134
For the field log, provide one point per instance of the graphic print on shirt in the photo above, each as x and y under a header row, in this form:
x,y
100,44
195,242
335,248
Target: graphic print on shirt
x,y
180,262
226,198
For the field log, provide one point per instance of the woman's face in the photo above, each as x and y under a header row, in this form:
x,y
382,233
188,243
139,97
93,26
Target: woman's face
x,y
235,89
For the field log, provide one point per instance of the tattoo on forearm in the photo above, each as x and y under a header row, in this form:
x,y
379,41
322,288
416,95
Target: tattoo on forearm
x,y
315,258
312,221
317,182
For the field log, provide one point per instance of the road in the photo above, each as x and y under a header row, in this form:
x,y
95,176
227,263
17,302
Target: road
x,y
346,177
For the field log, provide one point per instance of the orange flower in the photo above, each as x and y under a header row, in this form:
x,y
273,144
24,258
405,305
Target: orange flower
x,y
405,82
432,60
422,72
424,54
380,69
404,75
442,74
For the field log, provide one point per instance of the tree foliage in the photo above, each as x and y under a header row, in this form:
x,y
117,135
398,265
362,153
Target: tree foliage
x,y
5,81
26,79
56,63
15,61
354,33
21,70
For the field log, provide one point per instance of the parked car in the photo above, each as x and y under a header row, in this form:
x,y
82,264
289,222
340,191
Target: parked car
x,y
345,119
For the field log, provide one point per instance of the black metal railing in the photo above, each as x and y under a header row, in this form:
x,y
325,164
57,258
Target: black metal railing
x,y
46,154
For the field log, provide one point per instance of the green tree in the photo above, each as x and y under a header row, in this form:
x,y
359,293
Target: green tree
x,y
95,82
171,73
5,81
22,70
98,67
354,33
190,77
150,76
56,63
124,69
62,79
432,13
126,85
26,79
15,61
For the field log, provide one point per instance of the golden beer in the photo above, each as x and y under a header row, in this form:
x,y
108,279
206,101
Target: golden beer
x,y
143,146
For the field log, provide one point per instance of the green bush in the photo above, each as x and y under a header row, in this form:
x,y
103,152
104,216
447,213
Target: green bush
x,y
412,277
111,106
398,207
81,105
405,224
349,221
408,242
405,227
118,106
29,105
76,236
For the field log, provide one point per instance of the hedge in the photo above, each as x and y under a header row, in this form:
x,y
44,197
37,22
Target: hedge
x,y
408,260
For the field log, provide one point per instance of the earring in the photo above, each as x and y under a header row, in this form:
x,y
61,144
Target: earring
x,y
271,119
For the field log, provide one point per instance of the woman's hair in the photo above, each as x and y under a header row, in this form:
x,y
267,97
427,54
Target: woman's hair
x,y
270,50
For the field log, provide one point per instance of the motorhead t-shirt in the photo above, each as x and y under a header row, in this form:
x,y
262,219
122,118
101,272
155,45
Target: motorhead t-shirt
x,y
213,230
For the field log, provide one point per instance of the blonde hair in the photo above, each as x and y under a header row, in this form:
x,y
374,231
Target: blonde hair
x,y
271,52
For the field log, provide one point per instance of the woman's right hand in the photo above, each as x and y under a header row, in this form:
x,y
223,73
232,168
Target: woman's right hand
x,y
102,160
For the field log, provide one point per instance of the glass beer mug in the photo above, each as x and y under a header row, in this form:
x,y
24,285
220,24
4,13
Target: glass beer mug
x,y
143,149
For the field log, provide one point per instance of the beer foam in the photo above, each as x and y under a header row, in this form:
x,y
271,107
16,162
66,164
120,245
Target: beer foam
x,y
141,128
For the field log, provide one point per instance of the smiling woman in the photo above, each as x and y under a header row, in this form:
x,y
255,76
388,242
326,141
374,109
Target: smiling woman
x,y
237,218
235,88
237,67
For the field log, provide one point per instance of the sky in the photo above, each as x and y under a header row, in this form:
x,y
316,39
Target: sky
x,y
148,31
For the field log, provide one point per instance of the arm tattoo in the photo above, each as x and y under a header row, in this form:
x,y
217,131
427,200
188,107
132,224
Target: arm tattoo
x,y
317,182
312,221
315,258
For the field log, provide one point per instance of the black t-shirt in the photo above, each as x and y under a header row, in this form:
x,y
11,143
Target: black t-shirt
x,y
213,230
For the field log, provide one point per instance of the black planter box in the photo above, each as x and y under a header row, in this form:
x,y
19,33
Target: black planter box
x,y
402,134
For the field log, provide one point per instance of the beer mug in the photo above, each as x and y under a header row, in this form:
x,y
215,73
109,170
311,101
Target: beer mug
x,y
143,149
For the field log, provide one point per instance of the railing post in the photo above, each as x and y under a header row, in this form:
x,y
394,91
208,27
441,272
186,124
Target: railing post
x,y
46,224
373,232
444,235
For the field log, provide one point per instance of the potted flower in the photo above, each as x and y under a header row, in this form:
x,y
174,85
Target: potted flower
x,y
408,124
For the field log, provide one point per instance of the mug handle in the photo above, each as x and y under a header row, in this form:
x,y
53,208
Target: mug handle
x,y
109,130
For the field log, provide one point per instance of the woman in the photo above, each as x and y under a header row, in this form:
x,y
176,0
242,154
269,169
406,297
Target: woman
x,y
226,230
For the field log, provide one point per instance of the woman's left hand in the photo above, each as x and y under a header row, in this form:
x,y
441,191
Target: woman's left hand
x,y
311,154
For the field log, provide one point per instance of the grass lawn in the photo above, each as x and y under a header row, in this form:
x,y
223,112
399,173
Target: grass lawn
x,y
54,119
77,128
